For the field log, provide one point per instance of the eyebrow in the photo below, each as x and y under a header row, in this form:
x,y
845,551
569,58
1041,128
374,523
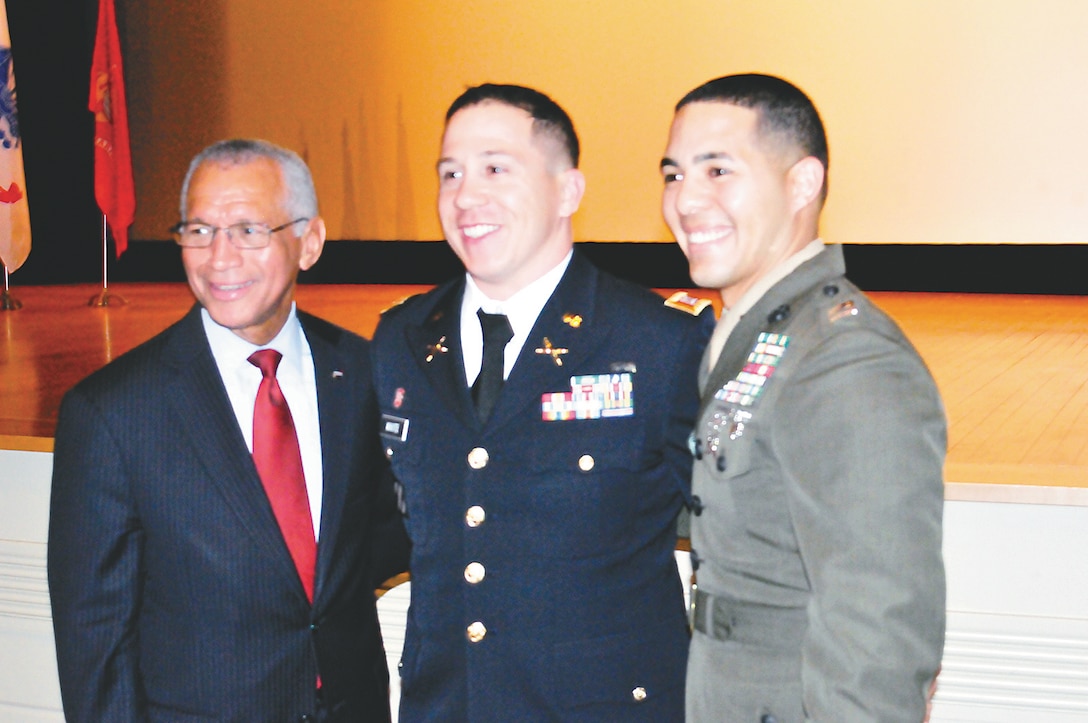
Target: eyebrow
x,y
485,154
709,156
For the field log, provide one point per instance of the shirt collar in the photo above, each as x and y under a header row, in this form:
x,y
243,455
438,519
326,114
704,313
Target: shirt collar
x,y
232,351
523,307
776,274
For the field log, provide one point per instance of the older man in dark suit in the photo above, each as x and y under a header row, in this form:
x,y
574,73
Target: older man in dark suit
x,y
220,507
536,412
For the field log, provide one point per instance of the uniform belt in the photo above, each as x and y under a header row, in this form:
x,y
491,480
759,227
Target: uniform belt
x,y
724,618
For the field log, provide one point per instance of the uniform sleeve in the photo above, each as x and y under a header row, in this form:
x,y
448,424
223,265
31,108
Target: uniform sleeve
x,y
862,446
390,547
94,569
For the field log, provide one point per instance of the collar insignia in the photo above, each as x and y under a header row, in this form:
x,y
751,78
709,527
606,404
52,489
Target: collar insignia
x,y
553,351
438,347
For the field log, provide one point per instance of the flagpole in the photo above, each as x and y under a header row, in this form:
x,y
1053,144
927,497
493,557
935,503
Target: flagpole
x,y
106,297
7,301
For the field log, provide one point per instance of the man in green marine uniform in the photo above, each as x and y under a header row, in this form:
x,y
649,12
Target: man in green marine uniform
x,y
820,440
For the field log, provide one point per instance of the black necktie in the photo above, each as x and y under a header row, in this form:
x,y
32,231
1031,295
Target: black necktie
x,y
486,388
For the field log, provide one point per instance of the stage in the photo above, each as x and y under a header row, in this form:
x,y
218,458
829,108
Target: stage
x,y
1011,369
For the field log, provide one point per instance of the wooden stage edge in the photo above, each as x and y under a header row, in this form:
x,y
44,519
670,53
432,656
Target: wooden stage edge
x,y
1010,369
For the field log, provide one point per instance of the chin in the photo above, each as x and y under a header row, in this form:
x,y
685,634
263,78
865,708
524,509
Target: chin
x,y
705,276
221,317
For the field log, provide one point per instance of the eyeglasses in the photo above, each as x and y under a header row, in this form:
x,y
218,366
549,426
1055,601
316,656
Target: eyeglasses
x,y
244,235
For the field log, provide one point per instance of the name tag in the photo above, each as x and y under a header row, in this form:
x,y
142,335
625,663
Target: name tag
x,y
394,427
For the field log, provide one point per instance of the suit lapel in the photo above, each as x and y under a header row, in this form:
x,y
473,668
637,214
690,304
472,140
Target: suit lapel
x,y
203,410
436,347
733,356
336,442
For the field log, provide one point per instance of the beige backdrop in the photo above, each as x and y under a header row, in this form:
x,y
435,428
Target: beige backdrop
x,y
951,121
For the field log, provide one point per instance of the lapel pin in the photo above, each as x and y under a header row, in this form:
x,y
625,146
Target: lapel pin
x,y
398,398
572,320
336,373
552,351
437,348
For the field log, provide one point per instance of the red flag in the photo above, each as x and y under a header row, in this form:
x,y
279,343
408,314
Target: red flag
x,y
113,188
14,211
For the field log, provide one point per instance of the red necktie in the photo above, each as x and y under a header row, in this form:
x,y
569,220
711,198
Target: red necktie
x,y
279,463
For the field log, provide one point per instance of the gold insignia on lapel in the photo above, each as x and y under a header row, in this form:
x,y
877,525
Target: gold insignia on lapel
x,y
843,310
572,320
687,303
437,348
552,351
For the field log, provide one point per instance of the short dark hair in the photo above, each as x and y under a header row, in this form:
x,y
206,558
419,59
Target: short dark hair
x,y
783,109
548,118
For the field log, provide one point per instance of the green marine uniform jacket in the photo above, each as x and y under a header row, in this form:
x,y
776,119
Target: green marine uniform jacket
x,y
817,505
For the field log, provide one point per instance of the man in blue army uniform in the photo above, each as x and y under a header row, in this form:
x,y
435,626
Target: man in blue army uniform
x,y
543,454
817,490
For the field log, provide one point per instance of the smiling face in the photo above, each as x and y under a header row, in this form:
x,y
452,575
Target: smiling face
x,y
505,197
249,291
737,202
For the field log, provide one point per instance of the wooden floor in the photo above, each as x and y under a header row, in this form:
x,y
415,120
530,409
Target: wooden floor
x,y
1012,369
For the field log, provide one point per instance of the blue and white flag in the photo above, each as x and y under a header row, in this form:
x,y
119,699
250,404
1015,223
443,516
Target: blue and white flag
x,y
14,211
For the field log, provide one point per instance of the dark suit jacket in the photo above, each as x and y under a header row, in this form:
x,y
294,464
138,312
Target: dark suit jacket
x,y
571,522
174,596
819,515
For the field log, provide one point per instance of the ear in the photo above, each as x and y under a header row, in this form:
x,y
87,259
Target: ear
x,y
806,180
572,188
312,242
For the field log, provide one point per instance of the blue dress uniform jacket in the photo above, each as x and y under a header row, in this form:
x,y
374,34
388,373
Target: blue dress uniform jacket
x,y
174,595
544,585
818,504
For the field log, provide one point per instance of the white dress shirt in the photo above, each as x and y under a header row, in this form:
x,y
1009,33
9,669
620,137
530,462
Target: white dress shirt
x,y
521,309
297,380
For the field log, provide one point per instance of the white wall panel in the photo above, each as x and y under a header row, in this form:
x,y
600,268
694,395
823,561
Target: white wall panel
x,y
1016,651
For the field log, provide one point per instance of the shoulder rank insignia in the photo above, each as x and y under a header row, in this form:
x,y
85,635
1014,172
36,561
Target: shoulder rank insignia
x,y
397,303
842,311
685,302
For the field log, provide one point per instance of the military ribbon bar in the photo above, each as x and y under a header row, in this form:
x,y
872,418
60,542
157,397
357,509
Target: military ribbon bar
x,y
749,383
591,396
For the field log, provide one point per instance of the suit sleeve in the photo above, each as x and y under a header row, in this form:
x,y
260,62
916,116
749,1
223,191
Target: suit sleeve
x,y
390,546
94,569
862,445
